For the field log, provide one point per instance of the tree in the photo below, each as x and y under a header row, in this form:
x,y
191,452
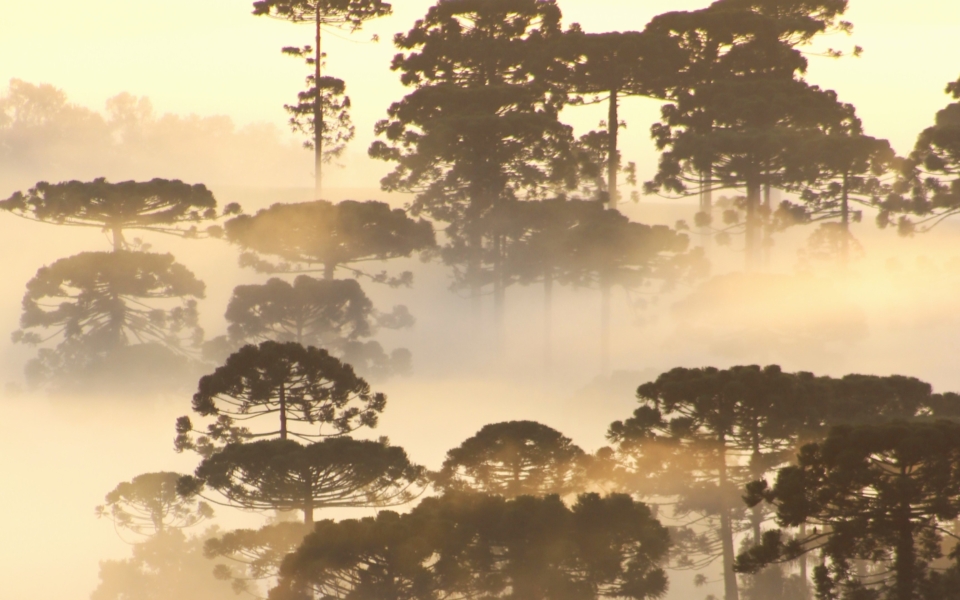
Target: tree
x,y
260,551
875,492
282,474
332,313
150,505
617,64
697,423
330,235
481,124
286,381
929,186
515,458
473,545
158,205
324,91
104,305
605,249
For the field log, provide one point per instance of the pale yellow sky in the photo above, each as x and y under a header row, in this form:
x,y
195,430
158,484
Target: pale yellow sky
x,y
214,57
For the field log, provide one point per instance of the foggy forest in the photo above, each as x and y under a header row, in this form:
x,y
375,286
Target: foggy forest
x,y
480,299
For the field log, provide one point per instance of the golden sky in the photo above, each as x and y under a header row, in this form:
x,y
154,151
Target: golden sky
x,y
214,57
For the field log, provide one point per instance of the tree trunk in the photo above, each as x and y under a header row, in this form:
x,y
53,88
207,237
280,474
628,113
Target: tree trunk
x,y
474,264
767,226
283,412
308,500
845,224
548,318
328,270
499,291
706,201
613,153
731,590
753,226
905,560
318,113
605,289
117,234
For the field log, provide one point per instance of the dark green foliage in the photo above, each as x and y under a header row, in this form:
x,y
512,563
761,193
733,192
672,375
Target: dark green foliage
x,y
285,475
478,546
330,235
515,458
168,566
287,381
260,551
102,305
149,504
157,205
349,14
929,186
333,314
873,492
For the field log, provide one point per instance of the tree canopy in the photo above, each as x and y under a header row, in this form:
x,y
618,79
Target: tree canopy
x,y
158,205
515,458
149,504
330,235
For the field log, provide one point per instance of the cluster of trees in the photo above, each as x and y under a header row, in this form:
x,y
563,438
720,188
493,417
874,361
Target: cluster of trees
x,y
864,469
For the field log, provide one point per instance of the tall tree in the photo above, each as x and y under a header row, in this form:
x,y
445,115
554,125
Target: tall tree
x,y
104,305
474,545
161,205
618,65
481,125
324,94
929,187
297,385
515,458
329,235
875,492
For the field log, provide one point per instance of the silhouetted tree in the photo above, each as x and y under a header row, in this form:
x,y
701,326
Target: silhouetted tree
x,y
481,124
330,235
286,381
617,64
283,474
875,492
515,458
260,551
929,186
150,505
329,104
333,314
692,425
158,205
472,546
106,308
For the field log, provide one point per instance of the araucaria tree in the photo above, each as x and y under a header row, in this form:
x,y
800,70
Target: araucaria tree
x,y
104,305
323,236
322,109
515,458
150,505
885,493
333,314
480,546
481,123
160,205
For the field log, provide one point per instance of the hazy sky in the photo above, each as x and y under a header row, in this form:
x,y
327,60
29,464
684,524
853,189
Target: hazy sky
x,y
214,57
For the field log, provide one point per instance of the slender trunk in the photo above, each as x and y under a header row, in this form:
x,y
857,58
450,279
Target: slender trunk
x,y
767,226
118,241
756,472
318,113
845,224
613,153
804,578
753,225
308,500
905,560
474,264
730,589
706,200
499,291
328,270
548,318
283,412
605,290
